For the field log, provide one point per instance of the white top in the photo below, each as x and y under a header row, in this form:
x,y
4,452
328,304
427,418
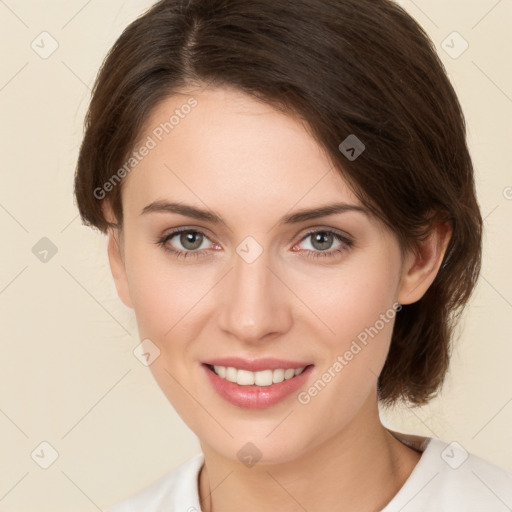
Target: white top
x,y
446,478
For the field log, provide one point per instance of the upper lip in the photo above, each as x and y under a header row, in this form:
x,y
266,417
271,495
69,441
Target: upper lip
x,y
255,365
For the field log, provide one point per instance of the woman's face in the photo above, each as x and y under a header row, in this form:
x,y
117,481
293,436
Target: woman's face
x,y
254,280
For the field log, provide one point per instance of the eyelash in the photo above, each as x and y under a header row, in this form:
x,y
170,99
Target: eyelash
x,y
347,243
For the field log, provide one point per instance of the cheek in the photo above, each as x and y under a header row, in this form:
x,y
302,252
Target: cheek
x,y
171,302
359,310
158,293
354,298
166,305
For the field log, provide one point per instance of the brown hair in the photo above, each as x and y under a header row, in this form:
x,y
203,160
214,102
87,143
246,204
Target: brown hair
x,y
360,67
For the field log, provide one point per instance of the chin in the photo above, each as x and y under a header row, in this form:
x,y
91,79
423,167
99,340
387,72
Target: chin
x,y
251,446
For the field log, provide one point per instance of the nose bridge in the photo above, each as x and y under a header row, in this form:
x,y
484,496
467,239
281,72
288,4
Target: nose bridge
x,y
256,303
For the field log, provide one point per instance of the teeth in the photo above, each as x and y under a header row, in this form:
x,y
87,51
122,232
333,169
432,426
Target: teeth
x,y
261,378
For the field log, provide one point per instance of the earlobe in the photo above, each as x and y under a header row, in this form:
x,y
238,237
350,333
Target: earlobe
x,y
421,267
118,268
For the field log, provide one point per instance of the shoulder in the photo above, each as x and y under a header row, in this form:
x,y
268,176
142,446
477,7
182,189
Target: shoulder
x,y
174,492
448,477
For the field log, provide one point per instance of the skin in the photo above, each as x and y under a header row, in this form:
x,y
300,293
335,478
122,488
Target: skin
x,y
251,164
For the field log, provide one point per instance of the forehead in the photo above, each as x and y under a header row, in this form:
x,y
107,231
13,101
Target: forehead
x,y
221,145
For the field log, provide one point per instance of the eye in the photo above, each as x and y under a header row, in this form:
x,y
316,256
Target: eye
x,y
321,242
190,239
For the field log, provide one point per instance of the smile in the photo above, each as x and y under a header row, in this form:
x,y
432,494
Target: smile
x,y
256,384
260,378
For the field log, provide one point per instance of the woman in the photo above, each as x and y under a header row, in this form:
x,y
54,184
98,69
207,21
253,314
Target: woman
x,y
292,216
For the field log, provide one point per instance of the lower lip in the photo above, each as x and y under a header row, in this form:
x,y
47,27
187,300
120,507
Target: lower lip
x,y
255,397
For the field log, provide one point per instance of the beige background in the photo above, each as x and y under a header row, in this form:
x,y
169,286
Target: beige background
x,y
68,373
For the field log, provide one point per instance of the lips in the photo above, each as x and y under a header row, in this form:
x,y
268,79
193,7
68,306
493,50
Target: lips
x,y
256,396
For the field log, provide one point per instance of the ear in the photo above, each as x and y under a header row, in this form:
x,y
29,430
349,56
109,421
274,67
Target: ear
x,y
116,259
421,266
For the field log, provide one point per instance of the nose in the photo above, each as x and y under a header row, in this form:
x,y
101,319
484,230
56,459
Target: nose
x,y
255,305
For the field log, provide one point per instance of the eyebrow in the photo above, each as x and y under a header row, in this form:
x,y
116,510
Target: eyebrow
x,y
293,218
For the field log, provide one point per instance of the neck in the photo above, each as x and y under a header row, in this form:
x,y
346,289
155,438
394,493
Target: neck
x,y
334,475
